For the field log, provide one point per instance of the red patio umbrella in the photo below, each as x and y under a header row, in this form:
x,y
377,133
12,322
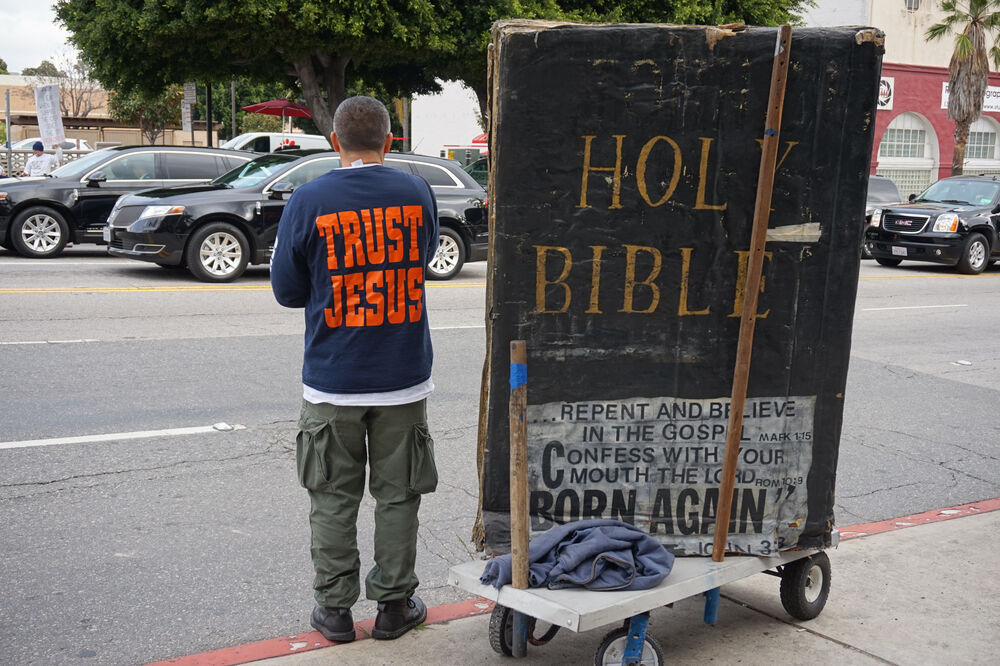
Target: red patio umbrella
x,y
480,138
279,107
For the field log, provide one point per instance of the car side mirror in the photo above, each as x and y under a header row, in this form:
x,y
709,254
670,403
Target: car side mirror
x,y
996,209
279,190
912,198
96,179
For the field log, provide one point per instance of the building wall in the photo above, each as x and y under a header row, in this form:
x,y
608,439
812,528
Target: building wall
x,y
838,12
917,90
905,32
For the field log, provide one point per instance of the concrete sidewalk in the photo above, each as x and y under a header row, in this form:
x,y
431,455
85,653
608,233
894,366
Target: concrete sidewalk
x,y
928,594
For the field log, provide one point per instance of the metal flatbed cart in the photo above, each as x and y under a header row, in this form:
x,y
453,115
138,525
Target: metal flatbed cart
x,y
805,586
804,572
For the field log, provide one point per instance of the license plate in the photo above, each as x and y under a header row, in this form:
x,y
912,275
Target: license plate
x,y
899,251
107,234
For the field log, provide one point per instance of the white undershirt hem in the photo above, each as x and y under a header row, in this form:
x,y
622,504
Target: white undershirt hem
x,y
383,399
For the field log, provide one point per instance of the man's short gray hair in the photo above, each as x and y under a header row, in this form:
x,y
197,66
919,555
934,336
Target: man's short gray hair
x,y
361,123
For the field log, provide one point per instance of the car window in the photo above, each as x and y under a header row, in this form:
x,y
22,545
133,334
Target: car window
x,y
883,191
303,174
231,163
81,166
480,172
261,144
435,175
970,192
255,171
190,166
399,165
137,166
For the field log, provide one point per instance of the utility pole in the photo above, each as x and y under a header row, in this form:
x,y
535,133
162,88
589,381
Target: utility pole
x,y
208,114
232,103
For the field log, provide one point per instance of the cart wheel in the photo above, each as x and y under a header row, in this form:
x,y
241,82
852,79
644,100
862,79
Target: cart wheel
x,y
805,586
502,630
612,650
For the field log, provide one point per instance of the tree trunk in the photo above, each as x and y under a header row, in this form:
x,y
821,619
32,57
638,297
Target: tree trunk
x,y
321,73
958,156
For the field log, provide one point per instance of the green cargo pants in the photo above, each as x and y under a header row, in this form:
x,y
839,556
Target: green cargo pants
x,y
331,455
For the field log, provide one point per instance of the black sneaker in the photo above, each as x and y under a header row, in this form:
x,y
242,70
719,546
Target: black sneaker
x,y
395,618
336,624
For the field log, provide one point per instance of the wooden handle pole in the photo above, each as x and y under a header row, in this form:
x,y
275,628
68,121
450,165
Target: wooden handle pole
x,y
761,216
519,526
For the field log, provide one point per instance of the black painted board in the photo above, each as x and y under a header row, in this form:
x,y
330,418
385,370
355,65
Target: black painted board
x,y
624,165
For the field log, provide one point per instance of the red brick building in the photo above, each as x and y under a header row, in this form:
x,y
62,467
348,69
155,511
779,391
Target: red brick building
x,y
914,139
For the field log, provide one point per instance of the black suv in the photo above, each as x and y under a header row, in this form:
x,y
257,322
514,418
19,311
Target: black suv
x,y
954,222
38,216
217,229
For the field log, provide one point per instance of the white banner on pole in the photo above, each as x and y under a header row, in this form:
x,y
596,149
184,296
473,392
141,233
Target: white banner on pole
x,y
190,93
49,115
186,116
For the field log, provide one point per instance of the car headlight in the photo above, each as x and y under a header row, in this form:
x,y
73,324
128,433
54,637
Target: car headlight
x,y
946,222
160,211
876,217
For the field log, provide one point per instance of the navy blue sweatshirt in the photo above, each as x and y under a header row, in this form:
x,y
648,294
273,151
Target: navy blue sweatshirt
x,y
351,249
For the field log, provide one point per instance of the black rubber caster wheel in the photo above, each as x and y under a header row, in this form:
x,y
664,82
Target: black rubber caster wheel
x,y
805,586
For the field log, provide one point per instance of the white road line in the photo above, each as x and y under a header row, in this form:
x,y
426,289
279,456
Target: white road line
x,y
82,340
918,307
112,437
50,342
51,264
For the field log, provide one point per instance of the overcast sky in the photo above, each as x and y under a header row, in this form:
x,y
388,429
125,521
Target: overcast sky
x,y
30,34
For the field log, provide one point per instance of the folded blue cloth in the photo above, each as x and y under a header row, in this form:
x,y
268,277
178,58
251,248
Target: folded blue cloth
x,y
594,554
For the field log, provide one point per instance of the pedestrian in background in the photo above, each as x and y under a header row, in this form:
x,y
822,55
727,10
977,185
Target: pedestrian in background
x,y
351,249
41,163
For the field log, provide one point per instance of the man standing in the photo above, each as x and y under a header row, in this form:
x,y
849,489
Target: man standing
x,y
41,163
351,250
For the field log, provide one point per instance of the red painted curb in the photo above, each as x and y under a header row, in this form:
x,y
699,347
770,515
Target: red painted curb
x,y
867,529
281,647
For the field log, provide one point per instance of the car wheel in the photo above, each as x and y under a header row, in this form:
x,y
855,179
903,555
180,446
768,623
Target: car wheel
x,y
975,255
217,252
39,232
892,263
449,258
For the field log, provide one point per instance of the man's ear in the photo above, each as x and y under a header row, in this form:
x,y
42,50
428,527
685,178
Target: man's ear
x,y
388,143
334,142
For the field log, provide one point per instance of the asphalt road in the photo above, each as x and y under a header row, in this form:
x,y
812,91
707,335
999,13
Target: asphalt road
x,y
143,546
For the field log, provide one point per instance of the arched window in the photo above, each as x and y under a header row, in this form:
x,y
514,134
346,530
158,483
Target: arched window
x,y
982,154
908,153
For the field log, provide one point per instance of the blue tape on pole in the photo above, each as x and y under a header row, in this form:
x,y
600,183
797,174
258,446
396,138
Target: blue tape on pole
x,y
770,132
518,375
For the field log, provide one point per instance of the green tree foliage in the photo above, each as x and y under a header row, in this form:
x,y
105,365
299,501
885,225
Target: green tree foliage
x,y
152,113
329,48
468,63
46,69
974,23
318,43
3,66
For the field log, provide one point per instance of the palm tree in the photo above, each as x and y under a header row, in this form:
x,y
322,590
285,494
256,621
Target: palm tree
x,y
969,69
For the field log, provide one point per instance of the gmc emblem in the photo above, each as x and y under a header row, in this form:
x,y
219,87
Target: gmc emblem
x,y
904,223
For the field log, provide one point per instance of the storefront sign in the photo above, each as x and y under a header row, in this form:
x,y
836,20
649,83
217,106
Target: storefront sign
x,y
886,91
991,100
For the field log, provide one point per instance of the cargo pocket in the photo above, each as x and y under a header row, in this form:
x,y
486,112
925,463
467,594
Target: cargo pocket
x,y
310,453
423,471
